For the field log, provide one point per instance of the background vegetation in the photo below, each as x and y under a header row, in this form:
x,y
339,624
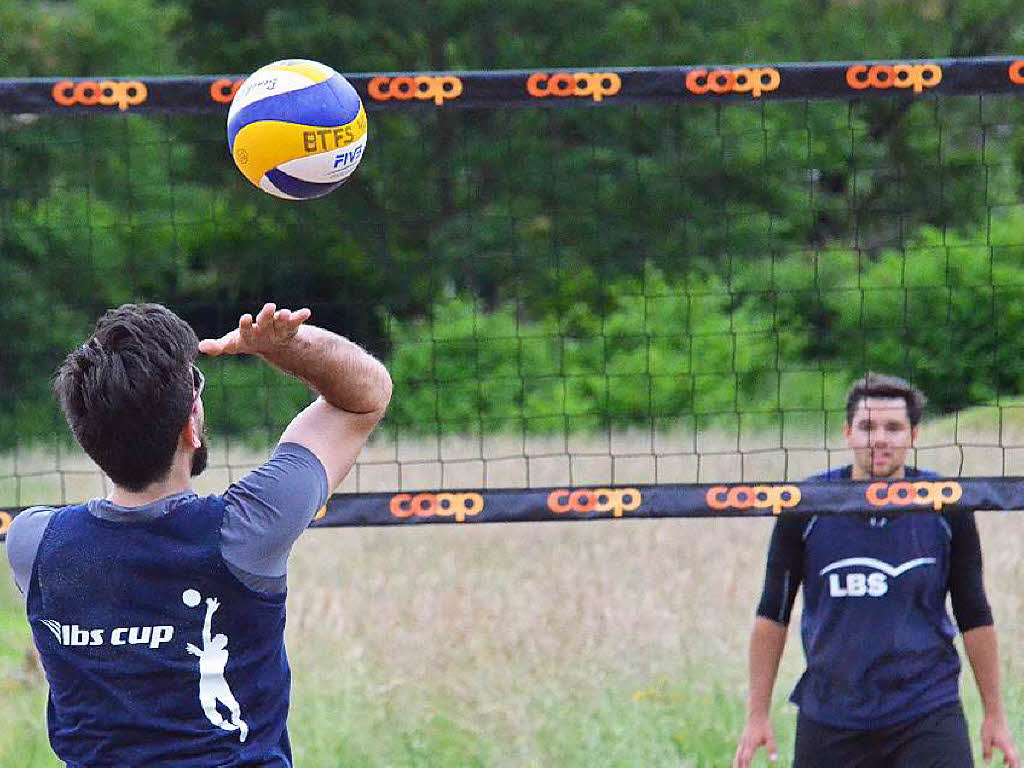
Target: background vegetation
x,y
534,270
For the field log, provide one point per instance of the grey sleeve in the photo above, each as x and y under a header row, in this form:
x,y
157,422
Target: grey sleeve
x,y
269,508
22,543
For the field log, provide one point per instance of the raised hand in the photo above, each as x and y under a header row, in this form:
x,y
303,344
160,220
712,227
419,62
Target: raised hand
x,y
269,330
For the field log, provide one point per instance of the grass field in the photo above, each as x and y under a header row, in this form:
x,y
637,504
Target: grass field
x,y
555,644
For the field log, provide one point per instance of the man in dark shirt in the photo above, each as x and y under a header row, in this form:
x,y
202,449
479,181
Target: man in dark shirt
x,y
881,685
159,614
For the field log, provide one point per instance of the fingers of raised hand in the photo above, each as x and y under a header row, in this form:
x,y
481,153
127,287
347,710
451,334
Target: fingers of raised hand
x,y
266,315
286,322
247,331
270,327
225,345
273,326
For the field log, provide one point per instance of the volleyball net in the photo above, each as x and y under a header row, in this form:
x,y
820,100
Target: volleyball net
x,y
600,293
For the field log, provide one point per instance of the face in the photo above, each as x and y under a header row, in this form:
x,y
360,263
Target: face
x,y
880,436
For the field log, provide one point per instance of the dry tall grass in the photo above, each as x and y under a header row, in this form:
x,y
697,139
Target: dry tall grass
x,y
498,621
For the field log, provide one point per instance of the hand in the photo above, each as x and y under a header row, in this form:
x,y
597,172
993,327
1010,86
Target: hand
x,y
757,733
213,602
193,650
995,733
271,328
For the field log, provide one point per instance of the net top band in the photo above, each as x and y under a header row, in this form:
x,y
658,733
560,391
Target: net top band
x,y
752,499
591,86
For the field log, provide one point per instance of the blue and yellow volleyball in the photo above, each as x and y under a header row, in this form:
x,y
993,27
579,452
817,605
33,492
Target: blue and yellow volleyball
x,y
296,129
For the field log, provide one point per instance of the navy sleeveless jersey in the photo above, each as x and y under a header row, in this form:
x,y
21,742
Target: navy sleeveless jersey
x,y
876,633
155,654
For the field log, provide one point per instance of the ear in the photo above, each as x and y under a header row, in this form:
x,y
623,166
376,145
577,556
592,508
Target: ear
x,y
847,431
913,436
190,433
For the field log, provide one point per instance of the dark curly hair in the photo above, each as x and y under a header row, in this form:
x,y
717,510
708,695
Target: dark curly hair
x,y
883,385
127,392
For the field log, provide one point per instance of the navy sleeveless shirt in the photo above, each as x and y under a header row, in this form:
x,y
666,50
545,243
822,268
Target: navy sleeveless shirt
x,y
876,633
155,653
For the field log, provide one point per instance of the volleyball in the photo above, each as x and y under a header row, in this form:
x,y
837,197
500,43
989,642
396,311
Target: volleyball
x,y
296,129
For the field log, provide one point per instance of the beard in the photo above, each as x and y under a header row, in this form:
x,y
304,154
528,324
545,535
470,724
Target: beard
x,y
200,457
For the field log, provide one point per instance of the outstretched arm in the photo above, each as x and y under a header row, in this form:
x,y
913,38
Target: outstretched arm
x,y
354,387
211,607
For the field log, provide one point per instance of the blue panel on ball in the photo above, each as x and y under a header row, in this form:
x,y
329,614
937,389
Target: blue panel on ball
x,y
328,104
299,188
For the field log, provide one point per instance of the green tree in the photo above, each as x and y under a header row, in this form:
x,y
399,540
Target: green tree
x,y
537,216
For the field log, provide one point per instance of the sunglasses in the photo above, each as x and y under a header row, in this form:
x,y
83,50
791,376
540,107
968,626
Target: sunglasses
x,y
198,381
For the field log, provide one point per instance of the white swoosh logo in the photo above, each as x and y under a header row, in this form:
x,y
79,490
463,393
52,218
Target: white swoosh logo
x,y
870,562
53,626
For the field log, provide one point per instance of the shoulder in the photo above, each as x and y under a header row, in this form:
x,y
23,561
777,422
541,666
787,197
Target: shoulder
x,y
266,510
918,472
791,529
28,524
23,538
959,524
839,473
290,462
292,475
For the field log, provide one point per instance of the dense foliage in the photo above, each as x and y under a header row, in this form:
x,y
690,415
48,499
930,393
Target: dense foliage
x,y
535,269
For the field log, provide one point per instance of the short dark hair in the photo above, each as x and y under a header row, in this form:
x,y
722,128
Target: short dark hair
x,y
127,392
883,385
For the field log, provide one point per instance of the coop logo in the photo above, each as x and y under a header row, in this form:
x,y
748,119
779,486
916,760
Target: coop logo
x,y
1017,72
438,89
223,90
75,636
872,584
5,522
457,505
741,80
920,494
882,76
615,500
595,85
106,93
773,497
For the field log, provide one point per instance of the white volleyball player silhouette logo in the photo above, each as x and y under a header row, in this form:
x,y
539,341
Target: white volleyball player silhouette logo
x,y
213,658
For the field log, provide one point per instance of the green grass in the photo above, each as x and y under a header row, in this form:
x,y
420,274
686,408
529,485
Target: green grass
x,y
689,721
22,688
